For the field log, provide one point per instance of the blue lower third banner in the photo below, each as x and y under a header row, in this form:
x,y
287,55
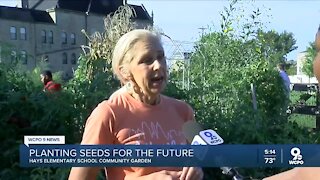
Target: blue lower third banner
x,y
169,155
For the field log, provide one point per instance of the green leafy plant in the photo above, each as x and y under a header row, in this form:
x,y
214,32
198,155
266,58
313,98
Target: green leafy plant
x,y
311,53
227,69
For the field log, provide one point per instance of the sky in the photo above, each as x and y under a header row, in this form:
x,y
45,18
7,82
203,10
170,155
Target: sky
x,y
181,19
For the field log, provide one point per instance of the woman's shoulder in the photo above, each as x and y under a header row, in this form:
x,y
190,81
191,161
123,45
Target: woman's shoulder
x,y
119,100
175,102
117,93
115,101
117,96
108,108
103,107
181,107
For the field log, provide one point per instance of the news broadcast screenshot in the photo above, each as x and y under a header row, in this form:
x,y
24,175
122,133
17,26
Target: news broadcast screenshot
x,y
147,90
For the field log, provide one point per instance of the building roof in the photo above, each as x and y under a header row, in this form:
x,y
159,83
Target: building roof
x,y
101,7
93,6
141,12
42,4
26,15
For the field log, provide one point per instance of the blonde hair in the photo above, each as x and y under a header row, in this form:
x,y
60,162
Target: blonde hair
x,y
122,52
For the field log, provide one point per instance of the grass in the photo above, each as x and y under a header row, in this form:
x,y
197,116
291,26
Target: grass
x,y
303,120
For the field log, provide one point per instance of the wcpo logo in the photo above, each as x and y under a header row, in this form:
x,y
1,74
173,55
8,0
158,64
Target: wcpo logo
x,y
297,157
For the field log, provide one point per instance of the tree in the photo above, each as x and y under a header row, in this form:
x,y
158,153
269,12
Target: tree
x,y
311,53
275,46
291,67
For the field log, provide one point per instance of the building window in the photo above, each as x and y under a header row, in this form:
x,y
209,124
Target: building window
x,y
73,58
50,37
64,38
64,58
73,38
23,33
13,33
43,36
23,57
13,56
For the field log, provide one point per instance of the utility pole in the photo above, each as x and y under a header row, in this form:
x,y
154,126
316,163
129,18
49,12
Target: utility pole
x,y
204,66
187,56
204,60
202,30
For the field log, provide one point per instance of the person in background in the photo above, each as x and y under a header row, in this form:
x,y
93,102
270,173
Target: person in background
x,y
49,84
284,76
138,113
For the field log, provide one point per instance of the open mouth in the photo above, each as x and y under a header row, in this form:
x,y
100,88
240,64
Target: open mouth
x,y
157,80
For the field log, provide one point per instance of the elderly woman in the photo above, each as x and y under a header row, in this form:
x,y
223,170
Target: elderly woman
x,y
138,113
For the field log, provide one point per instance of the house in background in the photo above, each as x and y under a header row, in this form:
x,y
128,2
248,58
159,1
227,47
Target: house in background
x,y
50,31
300,60
301,77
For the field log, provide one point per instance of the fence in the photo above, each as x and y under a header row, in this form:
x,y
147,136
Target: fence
x,y
304,104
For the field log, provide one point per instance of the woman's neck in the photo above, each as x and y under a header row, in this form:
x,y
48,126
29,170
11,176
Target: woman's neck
x,y
147,99
140,95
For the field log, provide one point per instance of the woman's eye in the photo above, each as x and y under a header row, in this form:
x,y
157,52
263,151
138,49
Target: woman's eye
x,y
147,60
160,57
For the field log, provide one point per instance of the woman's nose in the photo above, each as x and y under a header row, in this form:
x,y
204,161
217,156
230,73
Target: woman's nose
x,y
157,65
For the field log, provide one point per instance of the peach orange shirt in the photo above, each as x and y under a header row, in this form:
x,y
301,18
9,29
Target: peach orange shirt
x,y
124,120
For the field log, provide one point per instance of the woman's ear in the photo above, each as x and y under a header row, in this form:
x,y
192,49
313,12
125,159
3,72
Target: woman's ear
x,y
124,71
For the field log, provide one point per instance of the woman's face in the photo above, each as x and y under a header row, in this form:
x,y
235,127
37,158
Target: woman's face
x,y
148,66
